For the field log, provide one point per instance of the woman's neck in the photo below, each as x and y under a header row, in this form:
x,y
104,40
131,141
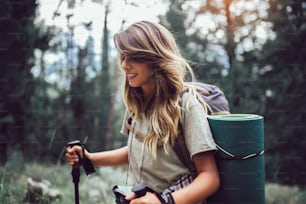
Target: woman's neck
x,y
147,92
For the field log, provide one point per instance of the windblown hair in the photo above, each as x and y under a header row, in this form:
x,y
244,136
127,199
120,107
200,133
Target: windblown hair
x,y
153,44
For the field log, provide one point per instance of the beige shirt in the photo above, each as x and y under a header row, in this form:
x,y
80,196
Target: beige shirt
x,y
162,172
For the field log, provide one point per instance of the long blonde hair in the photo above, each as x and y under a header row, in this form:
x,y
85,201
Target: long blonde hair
x,y
153,44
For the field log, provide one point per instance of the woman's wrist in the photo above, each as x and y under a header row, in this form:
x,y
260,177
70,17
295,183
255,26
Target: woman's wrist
x,y
88,155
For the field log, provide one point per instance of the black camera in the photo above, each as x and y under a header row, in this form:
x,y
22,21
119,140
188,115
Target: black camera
x,y
120,194
122,191
84,161
140,190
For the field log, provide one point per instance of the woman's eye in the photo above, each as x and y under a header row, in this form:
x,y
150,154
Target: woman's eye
x,y
122,57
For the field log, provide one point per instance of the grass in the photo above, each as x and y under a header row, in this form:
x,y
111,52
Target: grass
x,y
93,189
280,194
96,188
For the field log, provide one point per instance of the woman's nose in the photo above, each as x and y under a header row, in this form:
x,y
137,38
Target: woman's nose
x,y
125,66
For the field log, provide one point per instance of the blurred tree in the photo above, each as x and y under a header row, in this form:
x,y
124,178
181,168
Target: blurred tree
x,y
192,43
237,27
99,98
283,73
78,95
57,95
106,124
42,101
214,35
19,36
81,108
91,98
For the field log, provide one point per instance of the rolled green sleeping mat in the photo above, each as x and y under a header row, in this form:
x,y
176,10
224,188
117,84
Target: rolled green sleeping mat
x,y
240,159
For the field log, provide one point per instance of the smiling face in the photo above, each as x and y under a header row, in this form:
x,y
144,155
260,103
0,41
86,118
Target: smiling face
x,y
154,69
138,74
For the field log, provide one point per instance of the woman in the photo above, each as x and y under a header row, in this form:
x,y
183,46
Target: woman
x,y
154,82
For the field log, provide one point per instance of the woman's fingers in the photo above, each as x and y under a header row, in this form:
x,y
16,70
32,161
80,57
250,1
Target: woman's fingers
x,y
72,154
149,198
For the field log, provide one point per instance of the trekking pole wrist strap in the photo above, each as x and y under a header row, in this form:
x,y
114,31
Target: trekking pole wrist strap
x,y
170,199
164,199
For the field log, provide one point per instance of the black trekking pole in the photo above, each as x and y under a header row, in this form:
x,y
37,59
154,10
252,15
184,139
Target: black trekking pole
x,y
76,178
75,172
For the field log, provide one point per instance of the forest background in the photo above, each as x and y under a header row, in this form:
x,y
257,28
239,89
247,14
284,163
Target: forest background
x,y
54,89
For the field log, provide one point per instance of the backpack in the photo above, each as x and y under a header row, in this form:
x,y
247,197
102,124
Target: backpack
x,y
217,105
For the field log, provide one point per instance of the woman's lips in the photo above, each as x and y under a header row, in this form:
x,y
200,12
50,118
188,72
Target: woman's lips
x,y
131,76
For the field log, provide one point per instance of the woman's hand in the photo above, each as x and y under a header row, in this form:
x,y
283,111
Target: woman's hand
x,y
72,154
149,198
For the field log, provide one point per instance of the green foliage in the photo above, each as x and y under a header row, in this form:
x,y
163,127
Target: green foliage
x,y
18,39
285,81
194,46
280,194
13,186
96,188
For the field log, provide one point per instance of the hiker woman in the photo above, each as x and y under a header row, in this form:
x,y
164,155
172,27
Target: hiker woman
x,y
154,73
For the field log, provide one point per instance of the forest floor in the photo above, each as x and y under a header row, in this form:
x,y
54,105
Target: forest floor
x,y
57,185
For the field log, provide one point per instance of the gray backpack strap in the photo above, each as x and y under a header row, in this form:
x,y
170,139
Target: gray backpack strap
x,y
182,152
180,147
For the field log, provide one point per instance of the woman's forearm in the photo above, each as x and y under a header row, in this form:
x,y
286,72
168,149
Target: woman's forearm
x,y
115,157
204,185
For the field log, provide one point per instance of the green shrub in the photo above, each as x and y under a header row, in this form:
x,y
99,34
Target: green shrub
x,y
96,188
93,189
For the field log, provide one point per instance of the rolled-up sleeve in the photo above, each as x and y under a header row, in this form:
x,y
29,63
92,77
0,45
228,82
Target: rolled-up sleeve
x,y
197,133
